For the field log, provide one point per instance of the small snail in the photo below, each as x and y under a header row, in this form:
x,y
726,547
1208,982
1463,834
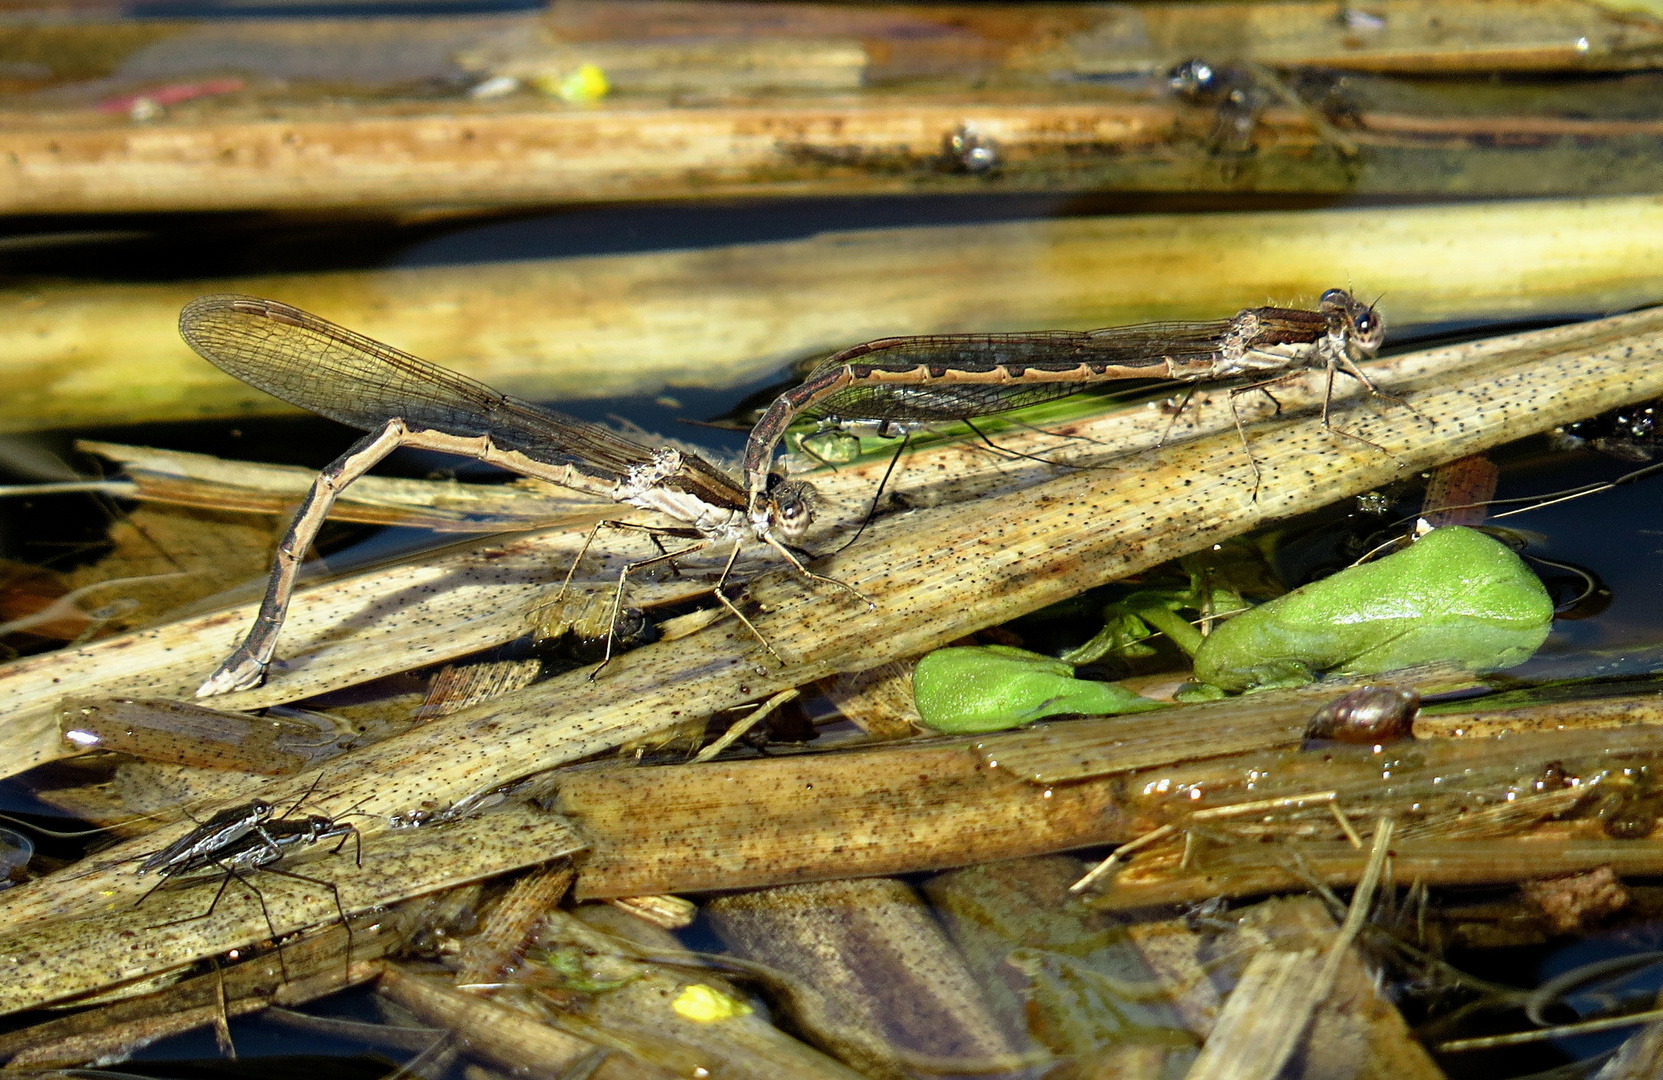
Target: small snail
x,y
1369,714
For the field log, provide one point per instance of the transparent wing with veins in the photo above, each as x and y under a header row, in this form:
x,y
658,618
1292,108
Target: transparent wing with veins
x,y
1143,345
356,380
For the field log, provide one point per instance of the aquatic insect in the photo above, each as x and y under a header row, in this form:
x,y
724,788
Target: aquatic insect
x,y
261,848
241,839
219,833
938,378
403,400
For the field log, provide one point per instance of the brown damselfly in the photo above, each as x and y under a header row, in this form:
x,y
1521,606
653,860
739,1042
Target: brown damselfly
x,y
941,378
403,400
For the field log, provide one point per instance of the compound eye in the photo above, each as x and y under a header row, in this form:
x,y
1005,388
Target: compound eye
x,y
793,521
794,508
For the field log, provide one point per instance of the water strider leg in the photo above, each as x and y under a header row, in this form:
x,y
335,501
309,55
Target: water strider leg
x,y
160,881
259,898
357,847
224,883
298,803
334,891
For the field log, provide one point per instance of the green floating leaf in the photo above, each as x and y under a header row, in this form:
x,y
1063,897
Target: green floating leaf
x,y
993,687
1454,596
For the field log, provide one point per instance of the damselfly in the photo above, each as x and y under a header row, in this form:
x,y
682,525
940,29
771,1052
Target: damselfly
x,y
939,378
406,401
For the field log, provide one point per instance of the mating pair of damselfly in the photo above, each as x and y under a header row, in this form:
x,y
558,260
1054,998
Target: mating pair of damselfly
x,y
404,401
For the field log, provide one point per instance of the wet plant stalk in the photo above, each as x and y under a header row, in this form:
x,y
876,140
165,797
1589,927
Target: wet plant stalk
x,y
877,963
117,942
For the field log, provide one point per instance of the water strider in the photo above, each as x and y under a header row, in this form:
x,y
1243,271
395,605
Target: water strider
x,y
219,833
260,848
268,844
403,400
252,836
224,832
940,378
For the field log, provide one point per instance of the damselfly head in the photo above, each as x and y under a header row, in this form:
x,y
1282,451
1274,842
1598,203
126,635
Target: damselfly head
x,y
1363,327
792,505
